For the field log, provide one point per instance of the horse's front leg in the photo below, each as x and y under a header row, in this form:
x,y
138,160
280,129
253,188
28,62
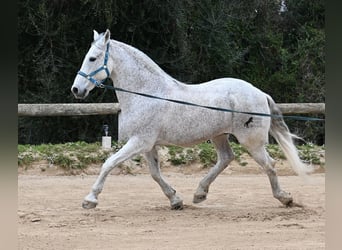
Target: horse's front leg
x,y
132,147
152,159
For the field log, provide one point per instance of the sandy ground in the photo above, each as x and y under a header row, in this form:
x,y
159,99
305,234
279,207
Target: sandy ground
x,y
133,213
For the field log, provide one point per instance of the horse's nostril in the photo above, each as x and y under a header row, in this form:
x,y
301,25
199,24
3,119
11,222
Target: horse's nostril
x,y
75,90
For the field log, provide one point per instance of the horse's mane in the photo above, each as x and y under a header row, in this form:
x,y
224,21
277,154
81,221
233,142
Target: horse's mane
x,y
141,58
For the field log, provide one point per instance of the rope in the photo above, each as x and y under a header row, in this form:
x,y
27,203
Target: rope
x,y
294,117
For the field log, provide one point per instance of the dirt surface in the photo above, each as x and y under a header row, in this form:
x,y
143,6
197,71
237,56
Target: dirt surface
x,y
133,213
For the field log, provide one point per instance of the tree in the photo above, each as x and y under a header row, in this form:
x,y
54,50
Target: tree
x,y
281,52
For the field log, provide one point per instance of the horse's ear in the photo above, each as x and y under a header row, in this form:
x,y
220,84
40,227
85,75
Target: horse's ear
x,y
107,36
96,35
102,39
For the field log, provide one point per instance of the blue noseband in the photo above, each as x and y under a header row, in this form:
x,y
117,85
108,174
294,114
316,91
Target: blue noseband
x,y
98,83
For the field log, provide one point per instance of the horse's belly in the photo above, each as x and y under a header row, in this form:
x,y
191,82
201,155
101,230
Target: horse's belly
x,y
194,127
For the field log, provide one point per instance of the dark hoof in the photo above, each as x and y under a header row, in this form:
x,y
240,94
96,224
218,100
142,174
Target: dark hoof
x,y
289,203
88,204
177,206
294,204
285,199
199,198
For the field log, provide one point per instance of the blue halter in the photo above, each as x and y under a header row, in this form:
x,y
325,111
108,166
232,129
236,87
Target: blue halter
x,y
98,83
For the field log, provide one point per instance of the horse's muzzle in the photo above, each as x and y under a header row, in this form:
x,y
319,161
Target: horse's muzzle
x,y
79,94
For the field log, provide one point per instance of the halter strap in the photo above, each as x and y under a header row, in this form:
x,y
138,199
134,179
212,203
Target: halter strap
x,y
98,83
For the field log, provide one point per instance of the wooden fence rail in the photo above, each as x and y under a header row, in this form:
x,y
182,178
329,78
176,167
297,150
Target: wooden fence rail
x,y
76,109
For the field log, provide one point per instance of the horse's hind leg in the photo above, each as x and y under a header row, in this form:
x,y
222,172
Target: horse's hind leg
x,y
224,156
132,147
152,159
261,156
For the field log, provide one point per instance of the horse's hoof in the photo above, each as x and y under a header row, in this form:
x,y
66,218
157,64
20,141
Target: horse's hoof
x,y
199,198
177,206
286,199
288,202
89,204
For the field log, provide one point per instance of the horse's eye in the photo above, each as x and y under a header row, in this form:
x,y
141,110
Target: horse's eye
x,y
92,59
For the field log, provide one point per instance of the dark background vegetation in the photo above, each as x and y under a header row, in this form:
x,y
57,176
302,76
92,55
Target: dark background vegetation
x,y
280,52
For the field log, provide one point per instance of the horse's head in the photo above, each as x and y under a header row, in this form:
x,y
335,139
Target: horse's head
x,y
95,68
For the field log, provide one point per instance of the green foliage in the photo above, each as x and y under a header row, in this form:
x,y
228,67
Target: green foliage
x,y
194,41
79,155
238,152
180,156
311,153
207,154
275,151
24,160
75,155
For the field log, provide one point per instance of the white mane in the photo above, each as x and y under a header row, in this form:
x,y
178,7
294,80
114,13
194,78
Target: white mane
x,y
141,58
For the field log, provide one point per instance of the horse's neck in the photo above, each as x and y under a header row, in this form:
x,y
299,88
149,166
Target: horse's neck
x,y
135,71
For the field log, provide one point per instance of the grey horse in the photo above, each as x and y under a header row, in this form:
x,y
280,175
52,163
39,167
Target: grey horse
x,y
146,123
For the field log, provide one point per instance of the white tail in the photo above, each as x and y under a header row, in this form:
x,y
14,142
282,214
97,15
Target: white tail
x,y
281,133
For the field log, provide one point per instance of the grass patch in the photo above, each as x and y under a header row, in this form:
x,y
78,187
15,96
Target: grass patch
x,y
180,156
79,155
275,151
311,153
71,155
207,154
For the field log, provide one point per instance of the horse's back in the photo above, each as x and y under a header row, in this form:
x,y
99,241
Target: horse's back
x,y
233,85
230,92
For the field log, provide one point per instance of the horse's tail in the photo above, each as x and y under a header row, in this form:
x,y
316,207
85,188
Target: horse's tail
x,y
281,133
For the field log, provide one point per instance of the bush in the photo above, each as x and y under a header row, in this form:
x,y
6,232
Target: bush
x,y
80,155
